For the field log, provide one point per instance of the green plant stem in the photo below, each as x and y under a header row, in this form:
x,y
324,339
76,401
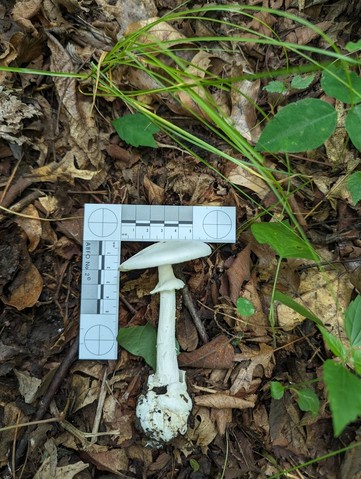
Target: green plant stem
x,y
316,459
271,316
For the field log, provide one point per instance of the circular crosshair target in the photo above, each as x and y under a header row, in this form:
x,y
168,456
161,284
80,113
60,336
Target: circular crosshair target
x,y
99,340
102,222
217,224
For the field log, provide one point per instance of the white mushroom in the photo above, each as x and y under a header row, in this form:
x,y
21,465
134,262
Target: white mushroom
x,y
164,408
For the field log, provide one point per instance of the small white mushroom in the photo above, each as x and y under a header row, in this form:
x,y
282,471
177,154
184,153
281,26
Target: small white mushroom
x,y
164,408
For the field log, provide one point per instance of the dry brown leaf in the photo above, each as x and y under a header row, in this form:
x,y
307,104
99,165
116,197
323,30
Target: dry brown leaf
x,y
225,401
243,377
160,32
86,391
160,463
142,285
64,171
49,203
222,418
238,272
203,432
11,415
326,293
28,385
335,145
286,433
113,460
24,10
83,133
217,354
49,468
12,114
73,228
245,178
7,56
187,335
244,95
304,35
32,227
25,290
116,420
141,453
199,65
125,158
351,463
48,235
154,192
258,322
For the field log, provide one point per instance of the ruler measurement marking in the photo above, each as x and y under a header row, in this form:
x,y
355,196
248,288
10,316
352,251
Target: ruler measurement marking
x,y
105,226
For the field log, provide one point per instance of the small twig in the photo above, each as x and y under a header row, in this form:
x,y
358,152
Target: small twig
x,y
46,400
32,423
127,304
8,183
188,301
195,316
98,414
20,205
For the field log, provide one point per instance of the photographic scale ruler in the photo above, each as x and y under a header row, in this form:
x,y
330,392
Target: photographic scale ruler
x,y
105,227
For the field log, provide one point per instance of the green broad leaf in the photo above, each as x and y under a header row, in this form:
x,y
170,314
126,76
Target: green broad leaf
x,y
300,82
344,394
353,46
355,360
308,401
353,126
291,303
136,130
245,307
353,322
275,86
194,465
334,344
140,341
283,240
300,126
342,84
277,390
354,186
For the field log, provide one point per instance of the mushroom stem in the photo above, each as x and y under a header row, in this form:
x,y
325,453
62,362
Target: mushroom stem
x,y
164,407
167,364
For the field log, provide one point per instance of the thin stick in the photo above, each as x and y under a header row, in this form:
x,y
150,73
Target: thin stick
x,y
46,400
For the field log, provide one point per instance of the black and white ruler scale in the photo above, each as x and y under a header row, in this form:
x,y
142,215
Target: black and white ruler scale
x,y
105,227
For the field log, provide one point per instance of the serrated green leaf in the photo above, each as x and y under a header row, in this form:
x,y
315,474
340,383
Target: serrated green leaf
x,y
245,307
300,126
308,401
344,395
291,303
353,322
275,86
283,240
277,390
353,126
299,82
354,186
140,341
342,84
334,344
136,130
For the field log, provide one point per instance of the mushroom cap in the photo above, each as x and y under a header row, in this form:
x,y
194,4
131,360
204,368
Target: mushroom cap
x,y
166,252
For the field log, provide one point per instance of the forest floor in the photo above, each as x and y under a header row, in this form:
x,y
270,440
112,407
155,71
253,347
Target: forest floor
x,y
58,151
